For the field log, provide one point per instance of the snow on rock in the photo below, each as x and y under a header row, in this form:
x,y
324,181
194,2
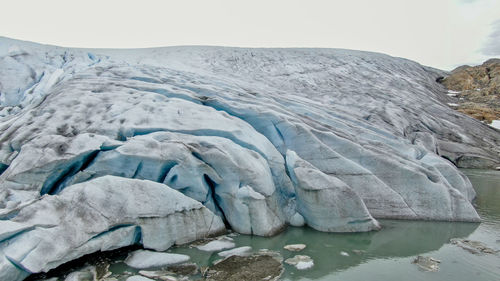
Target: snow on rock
x,y
147,259
99,215
495,124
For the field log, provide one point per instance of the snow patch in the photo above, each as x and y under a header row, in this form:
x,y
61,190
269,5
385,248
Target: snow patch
x,y
495,124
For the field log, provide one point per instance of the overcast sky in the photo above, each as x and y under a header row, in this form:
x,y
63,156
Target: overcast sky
x,y
439,33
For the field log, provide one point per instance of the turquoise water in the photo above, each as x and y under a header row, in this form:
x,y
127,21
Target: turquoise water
x,y
387,254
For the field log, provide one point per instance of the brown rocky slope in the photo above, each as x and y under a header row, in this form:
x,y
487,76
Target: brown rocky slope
x,y
476,90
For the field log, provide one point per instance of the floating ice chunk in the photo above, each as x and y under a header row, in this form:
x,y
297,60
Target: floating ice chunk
x,y
138,278
295,247
153,274
427,263
217,245
474,247
240,251
147,259
88,273
301,265
300,262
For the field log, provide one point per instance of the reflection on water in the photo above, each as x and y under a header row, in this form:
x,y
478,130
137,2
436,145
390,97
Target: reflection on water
x,y
396,239
456,263
487,186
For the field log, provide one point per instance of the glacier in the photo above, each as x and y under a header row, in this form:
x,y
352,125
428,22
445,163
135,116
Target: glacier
x,y
98,215
103,148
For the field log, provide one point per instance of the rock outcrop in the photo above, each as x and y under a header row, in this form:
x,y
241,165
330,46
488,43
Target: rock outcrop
x,y
259,266
251,139
476,90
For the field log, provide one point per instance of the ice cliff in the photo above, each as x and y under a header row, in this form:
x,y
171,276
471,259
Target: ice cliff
x,y
100,149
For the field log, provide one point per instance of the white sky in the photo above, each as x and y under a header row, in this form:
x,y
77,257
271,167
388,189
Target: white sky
x,y
439,33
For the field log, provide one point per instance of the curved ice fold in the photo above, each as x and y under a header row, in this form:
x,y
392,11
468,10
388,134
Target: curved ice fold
x,y
325,202
99,215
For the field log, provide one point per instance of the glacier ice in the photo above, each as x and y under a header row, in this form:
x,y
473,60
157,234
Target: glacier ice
x,y
240,251
138,278
148,259
251,139
217,245
102,214
325,202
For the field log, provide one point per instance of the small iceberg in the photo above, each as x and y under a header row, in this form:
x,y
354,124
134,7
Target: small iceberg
x,y
138,278
146,259
300,262
295,247
240,251
217,245
427,263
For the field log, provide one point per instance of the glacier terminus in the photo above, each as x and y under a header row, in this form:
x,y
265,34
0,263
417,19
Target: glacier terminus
x,y
102,149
